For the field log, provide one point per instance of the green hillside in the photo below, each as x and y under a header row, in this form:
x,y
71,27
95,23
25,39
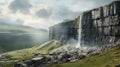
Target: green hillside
x,y
110,58
24,54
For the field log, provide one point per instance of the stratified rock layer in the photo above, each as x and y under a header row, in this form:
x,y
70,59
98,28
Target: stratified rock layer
x,y
63,32
101,25
98,26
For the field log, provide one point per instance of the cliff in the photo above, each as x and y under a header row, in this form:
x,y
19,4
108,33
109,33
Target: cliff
x,y
101,25
97,26
63,31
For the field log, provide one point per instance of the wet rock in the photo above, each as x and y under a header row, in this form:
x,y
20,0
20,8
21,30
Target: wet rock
x,y
82,56
20,65
74,60
35,62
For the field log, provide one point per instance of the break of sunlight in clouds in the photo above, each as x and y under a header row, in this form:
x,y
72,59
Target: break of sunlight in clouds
x,y
45,13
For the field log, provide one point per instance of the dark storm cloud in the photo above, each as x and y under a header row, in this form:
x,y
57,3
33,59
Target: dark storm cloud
x,y
20,5
44,13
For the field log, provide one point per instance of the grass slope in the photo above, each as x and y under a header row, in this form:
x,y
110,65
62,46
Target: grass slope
x,y
24,54
110,58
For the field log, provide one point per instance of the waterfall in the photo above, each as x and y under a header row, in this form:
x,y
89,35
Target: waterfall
x,y
79,32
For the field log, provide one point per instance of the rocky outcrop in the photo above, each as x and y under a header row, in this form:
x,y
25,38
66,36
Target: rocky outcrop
x,y
69,54
35,62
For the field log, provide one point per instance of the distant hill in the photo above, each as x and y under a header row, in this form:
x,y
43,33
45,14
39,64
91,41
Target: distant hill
x,y
15,37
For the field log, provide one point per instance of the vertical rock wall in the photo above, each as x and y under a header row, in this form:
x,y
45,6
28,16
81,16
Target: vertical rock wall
x,y
63,31
98,26
102,25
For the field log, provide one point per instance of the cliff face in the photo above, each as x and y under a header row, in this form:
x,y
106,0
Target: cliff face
x,y
101,25
63,32
98,26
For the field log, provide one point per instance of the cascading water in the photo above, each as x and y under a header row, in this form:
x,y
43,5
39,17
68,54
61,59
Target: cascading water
x,y
79,33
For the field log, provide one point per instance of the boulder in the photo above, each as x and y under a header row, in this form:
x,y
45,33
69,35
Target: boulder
x,y
20,65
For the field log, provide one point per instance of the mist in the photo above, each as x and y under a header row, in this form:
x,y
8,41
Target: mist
x,y
17,36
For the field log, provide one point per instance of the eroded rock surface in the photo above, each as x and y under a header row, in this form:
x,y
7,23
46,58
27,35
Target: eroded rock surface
x,y
98,26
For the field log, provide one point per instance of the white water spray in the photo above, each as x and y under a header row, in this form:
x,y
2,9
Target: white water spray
x,y
79,33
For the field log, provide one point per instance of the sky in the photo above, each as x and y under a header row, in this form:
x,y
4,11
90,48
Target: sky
x,y
44,13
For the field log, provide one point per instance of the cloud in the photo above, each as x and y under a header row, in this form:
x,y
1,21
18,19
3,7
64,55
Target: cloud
x,y
44,13
7,20
20,5
83,5
59,10
64,13
98,3
62,9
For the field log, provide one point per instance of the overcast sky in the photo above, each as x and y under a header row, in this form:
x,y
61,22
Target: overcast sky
x,y
44,13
